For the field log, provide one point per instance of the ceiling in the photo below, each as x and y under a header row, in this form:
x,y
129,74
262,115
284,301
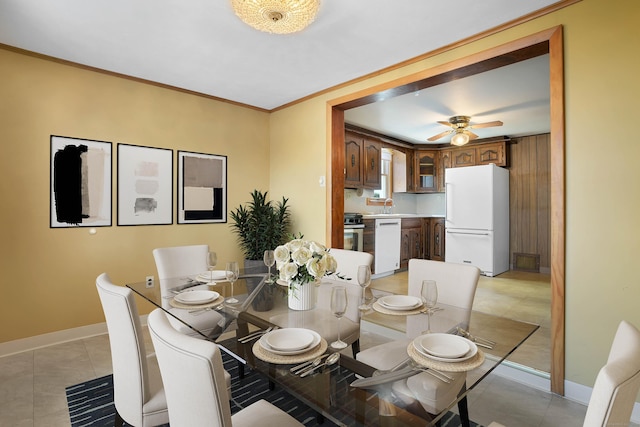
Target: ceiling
x,y
201,46
516,94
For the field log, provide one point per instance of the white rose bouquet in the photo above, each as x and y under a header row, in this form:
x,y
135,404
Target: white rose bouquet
x,y
301,261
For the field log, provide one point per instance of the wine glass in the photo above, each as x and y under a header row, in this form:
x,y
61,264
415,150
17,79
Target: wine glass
x,y
232,274
429,294
364,280
338,308
212,261
269,260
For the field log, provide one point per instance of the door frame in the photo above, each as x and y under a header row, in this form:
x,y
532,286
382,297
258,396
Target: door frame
x,y
548,41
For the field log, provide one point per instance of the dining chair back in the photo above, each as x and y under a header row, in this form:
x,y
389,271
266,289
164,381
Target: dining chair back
x,y
617,384
193,375
185,261
456,287
138,392
348,262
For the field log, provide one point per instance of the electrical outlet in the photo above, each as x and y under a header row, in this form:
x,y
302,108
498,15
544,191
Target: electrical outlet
x,y
150,280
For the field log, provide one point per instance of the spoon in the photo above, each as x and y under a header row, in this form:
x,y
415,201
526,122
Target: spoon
x,y
306,365
330,361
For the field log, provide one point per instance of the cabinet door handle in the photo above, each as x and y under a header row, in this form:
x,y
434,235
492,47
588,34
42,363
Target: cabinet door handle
x,y
353,160
373,163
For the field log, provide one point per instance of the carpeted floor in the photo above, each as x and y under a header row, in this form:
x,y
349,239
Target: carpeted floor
x,y
91,403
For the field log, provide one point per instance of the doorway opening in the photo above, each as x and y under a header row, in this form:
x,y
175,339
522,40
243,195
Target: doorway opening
x,y
545,42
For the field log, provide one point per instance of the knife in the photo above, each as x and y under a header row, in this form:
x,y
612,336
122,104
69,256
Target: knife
x,y
385,378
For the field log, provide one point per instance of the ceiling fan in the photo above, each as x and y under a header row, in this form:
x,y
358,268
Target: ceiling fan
x,y
460,128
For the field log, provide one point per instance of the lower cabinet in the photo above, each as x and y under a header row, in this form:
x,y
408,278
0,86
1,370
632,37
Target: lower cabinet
x,y
436,244
411,245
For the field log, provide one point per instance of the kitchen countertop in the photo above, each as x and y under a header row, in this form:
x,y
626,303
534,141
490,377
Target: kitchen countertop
x,y
399,215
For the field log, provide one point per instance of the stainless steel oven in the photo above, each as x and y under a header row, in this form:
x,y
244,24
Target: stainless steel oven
x,y
353,236
353,231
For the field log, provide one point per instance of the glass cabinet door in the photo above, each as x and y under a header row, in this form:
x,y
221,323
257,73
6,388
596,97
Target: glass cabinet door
x,y
425,167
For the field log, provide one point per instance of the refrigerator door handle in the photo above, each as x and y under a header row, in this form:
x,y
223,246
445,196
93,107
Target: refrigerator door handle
x,y
463,232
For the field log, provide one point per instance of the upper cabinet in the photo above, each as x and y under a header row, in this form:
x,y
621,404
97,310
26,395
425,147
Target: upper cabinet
x,y
425,168
372,160
482,154
362,161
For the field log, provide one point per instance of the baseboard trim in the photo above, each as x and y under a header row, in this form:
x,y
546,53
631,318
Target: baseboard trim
x,y
39,341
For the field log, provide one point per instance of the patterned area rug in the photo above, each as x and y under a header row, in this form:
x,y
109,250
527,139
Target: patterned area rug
x,y
91,403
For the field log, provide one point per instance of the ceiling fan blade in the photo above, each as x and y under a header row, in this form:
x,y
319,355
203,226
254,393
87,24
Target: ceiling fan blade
x,y
446,124
471,134
486,125
440,135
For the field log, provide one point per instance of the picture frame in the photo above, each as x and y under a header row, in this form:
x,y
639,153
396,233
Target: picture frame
x,y
80,182
202,188
145,185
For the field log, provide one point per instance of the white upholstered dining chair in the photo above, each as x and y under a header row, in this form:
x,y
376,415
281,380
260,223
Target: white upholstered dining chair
x,y
456,287
193,375
139,396
617,384
184,261
321,319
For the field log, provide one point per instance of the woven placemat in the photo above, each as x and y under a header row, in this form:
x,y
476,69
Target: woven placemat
x,y
380,309
213,303
464,366
267,356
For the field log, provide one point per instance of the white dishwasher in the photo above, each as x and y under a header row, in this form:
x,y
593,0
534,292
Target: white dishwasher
x,y
387,252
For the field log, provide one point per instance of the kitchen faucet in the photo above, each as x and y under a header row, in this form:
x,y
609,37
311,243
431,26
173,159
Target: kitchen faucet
x,y
384,207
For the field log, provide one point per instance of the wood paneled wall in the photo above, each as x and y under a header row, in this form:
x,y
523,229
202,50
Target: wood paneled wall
x,y
529,187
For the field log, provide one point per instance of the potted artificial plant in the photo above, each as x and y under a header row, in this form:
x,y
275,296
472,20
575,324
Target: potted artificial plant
x,y
260,225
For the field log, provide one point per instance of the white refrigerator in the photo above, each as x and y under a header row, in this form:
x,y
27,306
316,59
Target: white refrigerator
x,y
477,217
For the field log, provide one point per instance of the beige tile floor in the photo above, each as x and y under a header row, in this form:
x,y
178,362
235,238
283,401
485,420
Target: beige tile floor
x,y
32,387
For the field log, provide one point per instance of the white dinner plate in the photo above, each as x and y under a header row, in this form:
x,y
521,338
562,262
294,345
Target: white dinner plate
x,y
289,339
473,349
197,297
266,346
211,275
400,302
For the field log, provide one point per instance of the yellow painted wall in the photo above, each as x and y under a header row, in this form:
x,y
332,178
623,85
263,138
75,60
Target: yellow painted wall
x,y
603,177
48,275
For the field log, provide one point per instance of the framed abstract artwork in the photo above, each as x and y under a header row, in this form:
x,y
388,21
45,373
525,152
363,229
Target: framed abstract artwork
x,y
80,183
202,188
145,185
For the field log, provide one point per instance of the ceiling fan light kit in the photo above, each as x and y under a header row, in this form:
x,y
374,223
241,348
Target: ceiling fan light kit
x,y
277,16
460,138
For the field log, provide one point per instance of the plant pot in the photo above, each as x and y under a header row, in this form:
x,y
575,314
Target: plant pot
x,y
264,300
302,297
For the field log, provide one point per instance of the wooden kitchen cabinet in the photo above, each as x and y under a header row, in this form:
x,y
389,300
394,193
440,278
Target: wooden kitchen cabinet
x,y
353,144
492,153
425,171
482,154
371,164
411,245
443,163
437,233
362,161
464,157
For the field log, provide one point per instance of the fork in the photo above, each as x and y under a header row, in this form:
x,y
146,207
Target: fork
x,y
482,342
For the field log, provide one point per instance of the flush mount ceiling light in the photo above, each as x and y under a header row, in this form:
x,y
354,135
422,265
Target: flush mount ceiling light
x,y
277,16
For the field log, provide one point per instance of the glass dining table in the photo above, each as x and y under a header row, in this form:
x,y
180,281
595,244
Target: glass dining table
x,y
329,390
